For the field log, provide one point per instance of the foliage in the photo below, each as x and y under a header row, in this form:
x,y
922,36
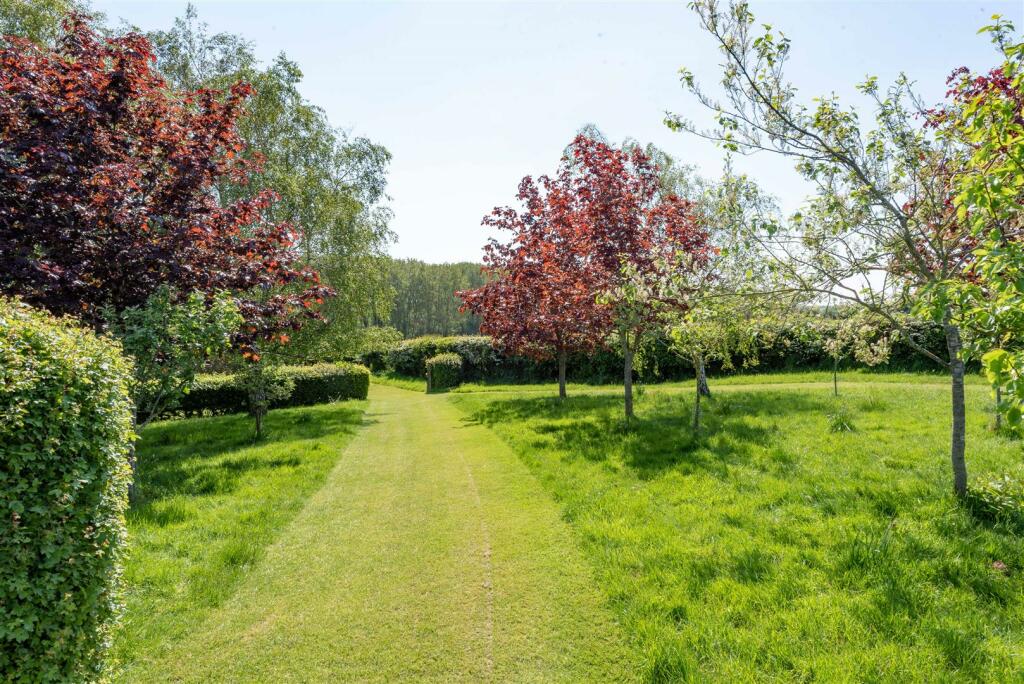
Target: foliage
x,y
317,384
409,358
330,185
65,432
326,382
169,339
424,300
539,298
264,385
109,189
881,231
998,500
770,343
444,371
37,20
987,111
370,345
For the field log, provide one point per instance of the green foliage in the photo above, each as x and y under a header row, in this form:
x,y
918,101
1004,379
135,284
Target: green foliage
x,y
988,114
37,20
369,346
65,433
479,357
326,382
264,385
768,344
331,185
424,301
998,500
169,339
444,371
222,394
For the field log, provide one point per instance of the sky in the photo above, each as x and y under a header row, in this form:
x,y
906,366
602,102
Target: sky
x,y
469,97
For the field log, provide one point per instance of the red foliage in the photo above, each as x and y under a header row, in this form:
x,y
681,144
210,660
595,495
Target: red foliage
x,y
568,244
108,188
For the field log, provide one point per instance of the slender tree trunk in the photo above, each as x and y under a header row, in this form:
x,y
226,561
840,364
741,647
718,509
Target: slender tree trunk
x,y
627,359
835,377
696,411
999,416
702,376
958,436
561,373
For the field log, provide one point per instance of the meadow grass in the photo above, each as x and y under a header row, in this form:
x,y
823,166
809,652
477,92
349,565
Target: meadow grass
x,y
774,546
209,502
429,554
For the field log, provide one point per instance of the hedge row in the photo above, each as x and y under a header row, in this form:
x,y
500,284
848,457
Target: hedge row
x,y
318,384
444,371
65,434
793,346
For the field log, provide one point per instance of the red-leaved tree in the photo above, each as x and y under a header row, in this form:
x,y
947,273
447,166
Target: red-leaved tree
x,y
108,189
583,245
538,300
633,239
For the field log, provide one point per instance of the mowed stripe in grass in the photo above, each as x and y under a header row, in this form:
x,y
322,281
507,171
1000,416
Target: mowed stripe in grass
x,y
430,554
772,549
209,502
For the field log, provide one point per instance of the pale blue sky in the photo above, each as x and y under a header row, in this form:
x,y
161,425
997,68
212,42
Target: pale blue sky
x,y
470,97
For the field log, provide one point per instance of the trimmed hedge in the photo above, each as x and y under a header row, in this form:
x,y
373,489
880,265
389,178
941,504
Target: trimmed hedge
x,y
793,346
444,371
222,393
65,436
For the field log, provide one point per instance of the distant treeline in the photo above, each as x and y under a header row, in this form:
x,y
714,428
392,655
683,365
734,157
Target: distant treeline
x,y
424,297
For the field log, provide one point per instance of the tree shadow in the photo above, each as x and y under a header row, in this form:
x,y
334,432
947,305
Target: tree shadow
x,y
210,456
661,437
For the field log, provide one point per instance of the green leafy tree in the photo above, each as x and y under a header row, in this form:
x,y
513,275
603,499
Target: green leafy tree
x,y
331,186
987,113
39,20
170,338
880,231
264,385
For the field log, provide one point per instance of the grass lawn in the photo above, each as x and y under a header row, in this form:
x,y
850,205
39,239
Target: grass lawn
x,y
210,501
770,548
429,553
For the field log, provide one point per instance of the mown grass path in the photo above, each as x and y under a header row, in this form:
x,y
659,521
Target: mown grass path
x,y
430,554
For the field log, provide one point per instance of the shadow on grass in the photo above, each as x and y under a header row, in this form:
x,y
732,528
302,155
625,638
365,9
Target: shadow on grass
x,y
199,456
661,437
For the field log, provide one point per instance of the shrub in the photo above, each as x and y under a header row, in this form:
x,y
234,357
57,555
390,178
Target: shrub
x,y
224,393
65,433
999,500
326,382
443,371
480,359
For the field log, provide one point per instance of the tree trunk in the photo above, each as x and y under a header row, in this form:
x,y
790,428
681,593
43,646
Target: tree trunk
x,y
702,377
835,377
627,358
561,373
958,438
696,411
999,416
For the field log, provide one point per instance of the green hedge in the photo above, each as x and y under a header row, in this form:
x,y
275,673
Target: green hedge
x,y
222,393
65,433
793,346
444,371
